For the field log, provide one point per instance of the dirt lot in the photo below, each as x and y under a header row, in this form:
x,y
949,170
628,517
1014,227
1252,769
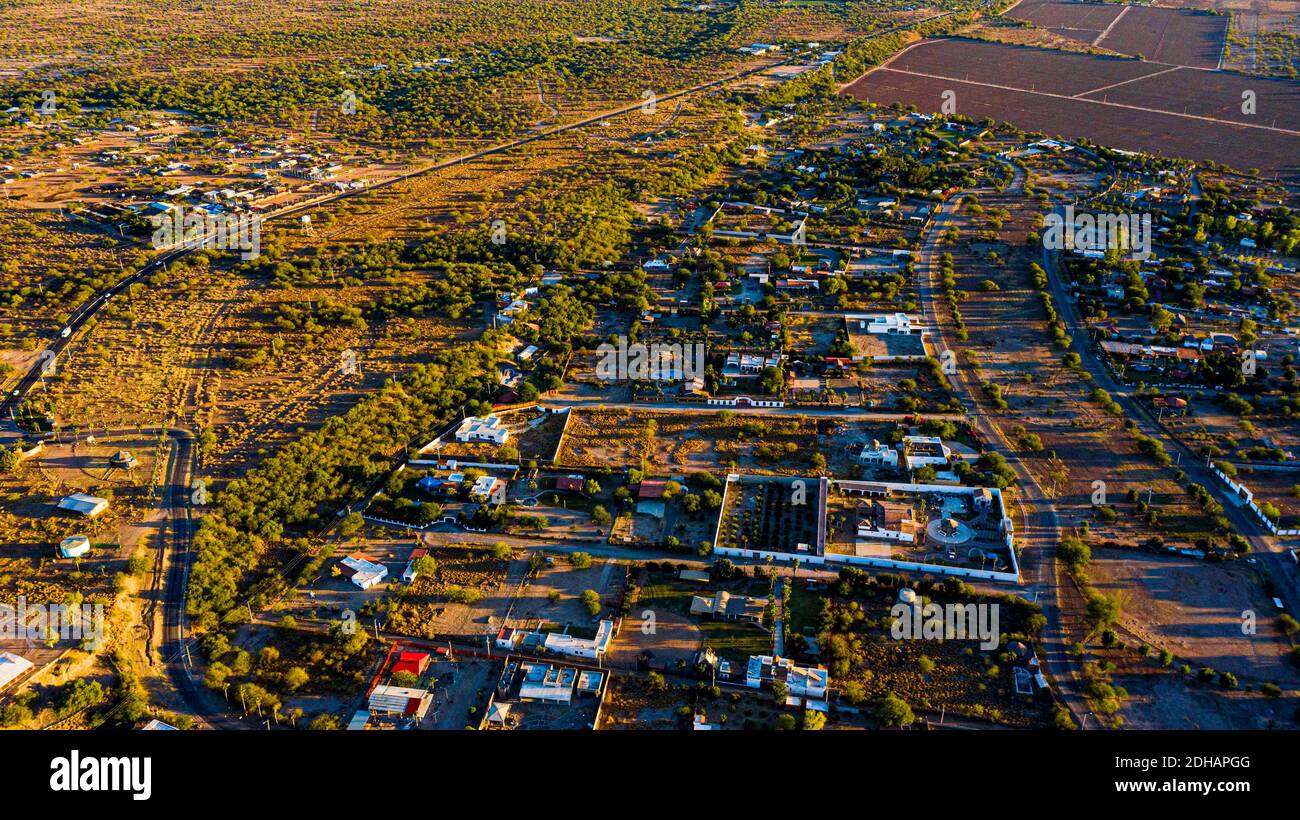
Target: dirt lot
x,y
436,605
1173,36
533,435
534,606
1212,94
1176,698
459,686
1214,429
1278,488
692,441
30,529
1081,21
1195,610
632,703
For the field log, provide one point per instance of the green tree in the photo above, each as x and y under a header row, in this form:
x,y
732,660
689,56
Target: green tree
x,y
1074,552
325,723
297,677
405,678
894,711
351,524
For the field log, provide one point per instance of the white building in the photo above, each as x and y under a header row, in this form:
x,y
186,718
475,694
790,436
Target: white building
x,y
920,451
546,683
489,429
879,455
362,571
84,505
582,647
74,546
509,638
490,488
12,667
740,365
400,700
156,725
800,681
882,323
888,520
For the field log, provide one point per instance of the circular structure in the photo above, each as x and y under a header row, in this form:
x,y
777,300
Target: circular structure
x,y
949,531
907,596
74,546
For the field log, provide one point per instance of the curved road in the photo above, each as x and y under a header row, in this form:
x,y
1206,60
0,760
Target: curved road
x,y
1038,553
174,559
1271,556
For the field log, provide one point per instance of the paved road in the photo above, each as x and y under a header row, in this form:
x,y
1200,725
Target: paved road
x,y
176,644
1041,526
1272,557
88,310
823,412
171,581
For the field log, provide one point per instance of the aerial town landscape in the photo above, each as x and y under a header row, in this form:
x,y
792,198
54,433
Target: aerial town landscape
x,y
597,365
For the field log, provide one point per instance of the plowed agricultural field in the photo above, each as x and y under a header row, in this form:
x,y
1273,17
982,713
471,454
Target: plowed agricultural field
x,y
1215,94
1021,67
1163,35
1081,21
1126,104
1175,36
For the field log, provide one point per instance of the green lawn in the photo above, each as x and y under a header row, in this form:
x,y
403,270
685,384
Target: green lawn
x,y
802,610
671,596
736,641
732,640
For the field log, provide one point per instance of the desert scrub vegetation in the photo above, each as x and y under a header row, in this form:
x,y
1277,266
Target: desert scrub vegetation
x,y
853,628
270,511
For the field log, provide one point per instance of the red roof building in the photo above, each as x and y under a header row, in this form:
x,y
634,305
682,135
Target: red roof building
x,y
569,483
413,662
651,488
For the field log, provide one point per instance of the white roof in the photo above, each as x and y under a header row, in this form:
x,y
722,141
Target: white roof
x,y
361,564
74,546
82,504
395,698
568,644
12,667
359,720
156,725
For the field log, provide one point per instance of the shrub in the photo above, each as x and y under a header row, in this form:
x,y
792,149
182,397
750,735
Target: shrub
x,y
894,711
1074,552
